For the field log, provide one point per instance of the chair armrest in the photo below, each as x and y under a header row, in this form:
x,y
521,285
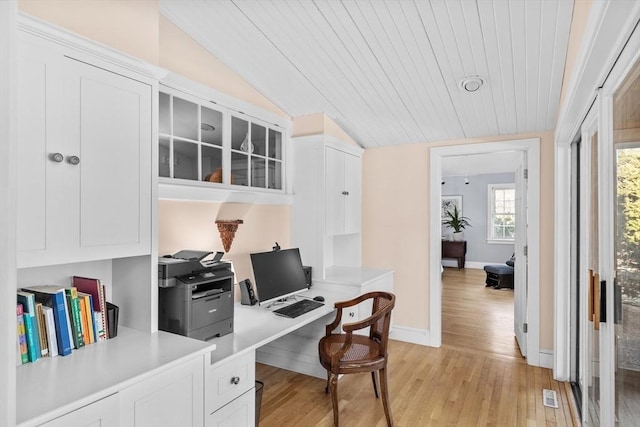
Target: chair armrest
x,y
354,326
333,325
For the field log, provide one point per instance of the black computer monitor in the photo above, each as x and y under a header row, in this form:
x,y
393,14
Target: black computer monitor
x,y
278,274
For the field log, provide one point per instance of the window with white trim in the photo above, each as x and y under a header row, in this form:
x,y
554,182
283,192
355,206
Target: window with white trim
x,y
501,227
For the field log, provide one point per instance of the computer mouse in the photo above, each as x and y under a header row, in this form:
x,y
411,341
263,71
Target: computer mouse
x,y
318,298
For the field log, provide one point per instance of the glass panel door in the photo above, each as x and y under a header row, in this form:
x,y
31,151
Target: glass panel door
x,y
593,265
626,316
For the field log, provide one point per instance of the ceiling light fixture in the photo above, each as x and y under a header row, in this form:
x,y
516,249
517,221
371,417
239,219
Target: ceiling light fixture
x,y
207,127
471,84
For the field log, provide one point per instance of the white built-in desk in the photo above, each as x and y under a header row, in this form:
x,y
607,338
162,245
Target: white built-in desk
x,y
141,379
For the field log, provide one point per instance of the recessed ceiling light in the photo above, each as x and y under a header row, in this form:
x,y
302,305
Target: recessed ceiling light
x,y
471,84
207,127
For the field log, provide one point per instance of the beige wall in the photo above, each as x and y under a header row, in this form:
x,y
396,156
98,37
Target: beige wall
x,y
319,123
129,26
191,225
395,211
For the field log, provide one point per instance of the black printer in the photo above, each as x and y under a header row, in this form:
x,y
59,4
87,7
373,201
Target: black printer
x,y
195,295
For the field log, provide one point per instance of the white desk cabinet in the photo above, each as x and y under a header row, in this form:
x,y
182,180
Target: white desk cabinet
x,y
103,413
84,159
171,398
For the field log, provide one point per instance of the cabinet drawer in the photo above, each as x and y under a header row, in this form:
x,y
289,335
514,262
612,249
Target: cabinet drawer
x,y
239,412
226,381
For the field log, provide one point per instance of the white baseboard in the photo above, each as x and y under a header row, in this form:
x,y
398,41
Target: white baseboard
x,y
411,335
546,359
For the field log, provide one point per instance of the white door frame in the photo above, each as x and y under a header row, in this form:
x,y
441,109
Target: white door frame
x,y
532,148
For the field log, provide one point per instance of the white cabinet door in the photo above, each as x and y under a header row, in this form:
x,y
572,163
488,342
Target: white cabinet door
x,y
94,200
334,178
103,413
173,398
352,200
342,174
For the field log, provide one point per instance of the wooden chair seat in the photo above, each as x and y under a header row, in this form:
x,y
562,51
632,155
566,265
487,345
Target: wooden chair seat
x,y
349,353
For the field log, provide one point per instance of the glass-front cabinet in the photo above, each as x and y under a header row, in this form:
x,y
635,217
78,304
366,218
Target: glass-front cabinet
x,y
200,141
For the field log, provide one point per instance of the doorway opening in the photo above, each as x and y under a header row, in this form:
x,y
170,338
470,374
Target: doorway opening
x,y
530,307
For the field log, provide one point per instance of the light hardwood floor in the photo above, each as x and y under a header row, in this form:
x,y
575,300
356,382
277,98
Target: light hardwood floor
x,y
477,377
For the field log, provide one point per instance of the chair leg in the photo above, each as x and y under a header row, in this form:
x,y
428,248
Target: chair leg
x,y
385,396
326,388
333,381
374,377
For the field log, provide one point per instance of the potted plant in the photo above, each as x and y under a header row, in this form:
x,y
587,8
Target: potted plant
x,y
454,220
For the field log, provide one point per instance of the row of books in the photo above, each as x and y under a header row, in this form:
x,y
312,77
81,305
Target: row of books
x,y
53,320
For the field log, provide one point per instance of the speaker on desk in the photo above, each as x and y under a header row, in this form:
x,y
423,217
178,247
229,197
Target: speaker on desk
x,y
307,274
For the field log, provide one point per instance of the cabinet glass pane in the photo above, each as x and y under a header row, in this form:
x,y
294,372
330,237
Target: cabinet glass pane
x,y
211,126
239,169
258,169
164,157
211,164
185,119
275,144
239,134
259,139
165,114
275,174
185,160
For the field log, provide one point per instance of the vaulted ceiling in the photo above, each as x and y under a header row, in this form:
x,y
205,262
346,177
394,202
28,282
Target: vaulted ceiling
x,y
389,71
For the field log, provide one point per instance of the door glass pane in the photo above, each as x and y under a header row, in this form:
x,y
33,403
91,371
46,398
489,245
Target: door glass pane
x,y
626,132
259,139
258,171
211,164
211,126
240,134
239,169
275,144
185,160
185,119
164,158
275,174
593,351
165,114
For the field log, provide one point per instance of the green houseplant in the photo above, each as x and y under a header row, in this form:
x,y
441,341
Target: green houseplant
x,y
454,219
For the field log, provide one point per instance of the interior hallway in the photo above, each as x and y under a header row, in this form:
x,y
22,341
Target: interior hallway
x,y
477,377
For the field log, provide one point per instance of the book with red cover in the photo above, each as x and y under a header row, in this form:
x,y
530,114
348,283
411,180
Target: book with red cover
x,y
95,288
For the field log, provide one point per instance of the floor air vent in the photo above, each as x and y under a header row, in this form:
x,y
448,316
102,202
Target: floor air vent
x,y
549,398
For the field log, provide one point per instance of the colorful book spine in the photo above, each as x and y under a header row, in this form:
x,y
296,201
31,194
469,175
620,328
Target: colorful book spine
x,y
75,316
28,302
87,328
42,330
51,330
96,289
54,297
31,339
22,336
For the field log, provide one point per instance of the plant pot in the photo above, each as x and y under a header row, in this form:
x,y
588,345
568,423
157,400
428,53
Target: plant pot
x,y
458,237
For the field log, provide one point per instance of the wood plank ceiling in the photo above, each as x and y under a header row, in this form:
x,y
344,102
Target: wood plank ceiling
x,y
388,71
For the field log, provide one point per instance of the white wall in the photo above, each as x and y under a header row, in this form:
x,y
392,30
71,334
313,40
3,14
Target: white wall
x,y
474,204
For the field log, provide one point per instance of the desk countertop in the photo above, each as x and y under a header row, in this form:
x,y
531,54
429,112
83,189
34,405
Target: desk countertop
x,y
255,326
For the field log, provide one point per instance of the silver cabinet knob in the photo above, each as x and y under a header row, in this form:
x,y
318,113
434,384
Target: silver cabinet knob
x,y
352,314
235,380
56,157
345,193
74,160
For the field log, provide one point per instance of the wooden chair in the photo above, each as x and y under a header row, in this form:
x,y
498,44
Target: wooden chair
x,y
349,353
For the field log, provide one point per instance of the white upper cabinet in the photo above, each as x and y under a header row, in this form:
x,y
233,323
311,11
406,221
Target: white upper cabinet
x,y
327,208
208,145
343,175
84,156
